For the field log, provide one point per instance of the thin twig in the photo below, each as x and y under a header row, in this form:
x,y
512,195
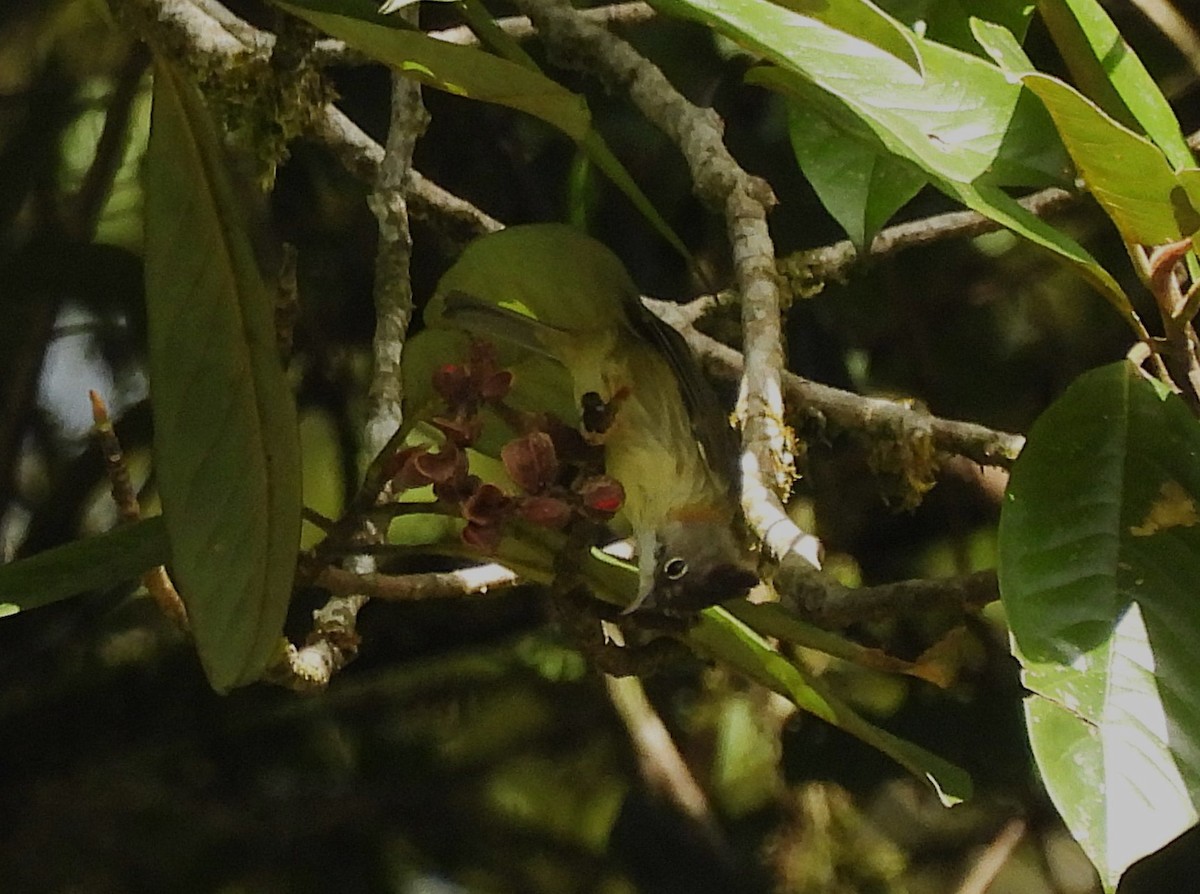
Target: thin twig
x,y
659,761
808,269
832,605
156,581
97,183
458,220
992,860
335,641
480,579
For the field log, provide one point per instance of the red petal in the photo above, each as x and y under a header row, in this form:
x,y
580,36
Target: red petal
x,y
602,494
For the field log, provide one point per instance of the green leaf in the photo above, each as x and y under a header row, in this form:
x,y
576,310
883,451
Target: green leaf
x,y
865,21
225,435
903,119
1129,176
1099,552
1107,70
470,72
93,563
860,185
464,71
962,121
721,636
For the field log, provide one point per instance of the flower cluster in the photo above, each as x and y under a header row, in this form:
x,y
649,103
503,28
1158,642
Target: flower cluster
x,y
557,472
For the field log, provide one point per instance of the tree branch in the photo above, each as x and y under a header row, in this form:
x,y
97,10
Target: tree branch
x,y
808,270
853,412
479,579
743,200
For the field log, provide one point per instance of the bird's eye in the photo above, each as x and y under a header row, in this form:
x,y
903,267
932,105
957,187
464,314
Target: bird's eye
x,y
675,568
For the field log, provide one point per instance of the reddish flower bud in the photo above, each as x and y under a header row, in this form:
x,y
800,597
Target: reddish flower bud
x,y
482,358
496,386
601,494
457,489
403,470
487,506
453,383
462,431
445,465
531,461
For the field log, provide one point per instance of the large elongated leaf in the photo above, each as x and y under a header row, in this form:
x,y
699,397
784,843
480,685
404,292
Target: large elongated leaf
x,y
1099,554
1129,176
225,437
465,71
965,125
722,636
90,564
470,72
1110,73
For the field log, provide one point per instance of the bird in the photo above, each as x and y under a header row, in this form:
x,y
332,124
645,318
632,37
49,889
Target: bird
x,y
556,291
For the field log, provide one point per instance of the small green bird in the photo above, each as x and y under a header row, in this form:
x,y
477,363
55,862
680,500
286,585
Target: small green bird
x,y
556,291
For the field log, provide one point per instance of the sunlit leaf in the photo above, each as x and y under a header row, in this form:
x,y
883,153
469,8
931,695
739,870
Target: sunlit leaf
x,y
865,21
225,435
1109,73
1099,546
93,563
720,635
1002,46
963,120
1129,176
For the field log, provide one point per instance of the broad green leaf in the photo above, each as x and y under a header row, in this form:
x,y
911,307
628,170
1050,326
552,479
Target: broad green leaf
x,y
860,185
470,72
1129,176
1109,73
93,563
962,121
225,435
1099,553
952,178
720,635
865,21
